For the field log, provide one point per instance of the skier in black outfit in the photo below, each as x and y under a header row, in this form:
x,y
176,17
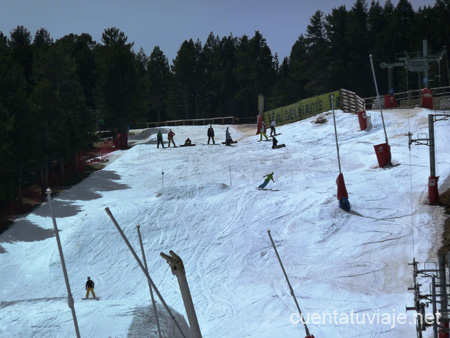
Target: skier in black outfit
x,y
211,134
90,287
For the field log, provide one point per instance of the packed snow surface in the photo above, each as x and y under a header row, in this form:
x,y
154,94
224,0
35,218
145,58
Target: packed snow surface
x,y
202,202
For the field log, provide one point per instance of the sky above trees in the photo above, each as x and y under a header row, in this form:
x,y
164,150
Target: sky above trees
x,y
168,23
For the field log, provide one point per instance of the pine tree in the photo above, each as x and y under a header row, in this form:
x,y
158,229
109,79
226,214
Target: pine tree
x,y
298,76
117,90
185,69
157,84
255,73
336,30
20,45
358,69
317,55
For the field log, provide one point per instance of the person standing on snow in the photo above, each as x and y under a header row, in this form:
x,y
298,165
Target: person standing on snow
x,y
263,132
272,128
90,287
170,136
159,138
266,181
211,134
228,139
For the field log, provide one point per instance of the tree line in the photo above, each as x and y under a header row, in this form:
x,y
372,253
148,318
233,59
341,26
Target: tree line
x,y
54,95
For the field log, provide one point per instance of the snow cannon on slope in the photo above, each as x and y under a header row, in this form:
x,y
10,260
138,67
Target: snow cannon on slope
x,y
342,194
383,150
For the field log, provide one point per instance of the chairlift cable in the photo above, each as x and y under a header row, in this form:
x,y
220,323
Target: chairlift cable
x,y
411,192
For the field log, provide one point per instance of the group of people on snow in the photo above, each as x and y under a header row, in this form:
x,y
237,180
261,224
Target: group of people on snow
x,y
263,129
170,135
228,142
210,134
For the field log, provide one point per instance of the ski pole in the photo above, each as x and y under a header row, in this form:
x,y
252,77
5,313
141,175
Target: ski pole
x,y
289,284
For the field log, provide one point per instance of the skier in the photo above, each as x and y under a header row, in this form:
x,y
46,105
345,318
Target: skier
x,y
211,134
266,181
263,132
228,139
159,137
272,128
90,287
170,136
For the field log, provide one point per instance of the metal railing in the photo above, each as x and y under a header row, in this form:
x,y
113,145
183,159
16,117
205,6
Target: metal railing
x,y
411,98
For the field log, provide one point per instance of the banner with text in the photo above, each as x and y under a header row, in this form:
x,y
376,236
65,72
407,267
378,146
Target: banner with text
x,y
302,109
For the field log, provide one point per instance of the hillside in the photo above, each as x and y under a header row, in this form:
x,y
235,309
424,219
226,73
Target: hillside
x,y
206,208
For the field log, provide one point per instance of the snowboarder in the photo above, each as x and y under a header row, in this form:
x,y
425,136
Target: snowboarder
x,y
228,139
170,136
263,132
187,142
90,287
211,134
274,142
272,128
159,138
266,181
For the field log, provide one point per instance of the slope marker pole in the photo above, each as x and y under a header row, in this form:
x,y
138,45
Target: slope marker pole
x,y
335,133
63,263
378,98
289,284
149,285
143,269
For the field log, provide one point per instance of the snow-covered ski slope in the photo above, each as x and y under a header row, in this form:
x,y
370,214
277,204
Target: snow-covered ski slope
x,y
209,211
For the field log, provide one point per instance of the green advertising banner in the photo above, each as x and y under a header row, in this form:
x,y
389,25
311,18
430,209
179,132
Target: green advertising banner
x,y
302,109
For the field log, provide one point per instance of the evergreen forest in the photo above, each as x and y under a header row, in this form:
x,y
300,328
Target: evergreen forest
x,y
55,95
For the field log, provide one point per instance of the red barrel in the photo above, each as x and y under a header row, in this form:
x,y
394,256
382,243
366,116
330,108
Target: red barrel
x,y
383,152
362,118
117,141
433,193
427,98
390,101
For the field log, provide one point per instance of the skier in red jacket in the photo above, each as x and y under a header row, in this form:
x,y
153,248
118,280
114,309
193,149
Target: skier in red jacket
x,y
170,136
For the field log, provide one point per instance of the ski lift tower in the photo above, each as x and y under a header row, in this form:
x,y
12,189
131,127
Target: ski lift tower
x,y
419,63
